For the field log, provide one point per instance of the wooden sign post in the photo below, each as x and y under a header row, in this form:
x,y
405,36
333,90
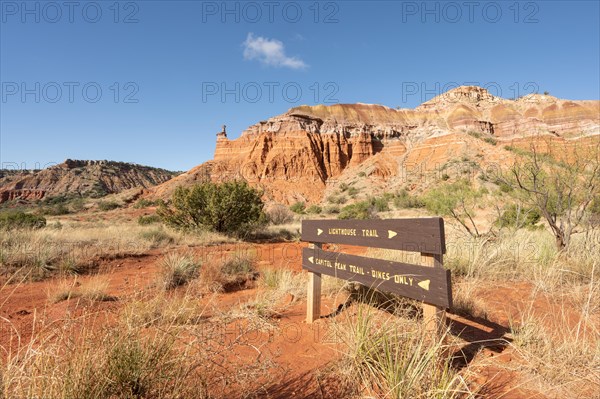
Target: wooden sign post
x,y
429,282
313,297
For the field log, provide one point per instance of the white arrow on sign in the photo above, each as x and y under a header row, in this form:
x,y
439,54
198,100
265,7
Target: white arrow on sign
x,y
392,234
319,232
310,259
425,284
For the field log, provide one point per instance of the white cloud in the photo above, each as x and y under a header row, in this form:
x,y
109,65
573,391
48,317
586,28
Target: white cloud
x,y
270,52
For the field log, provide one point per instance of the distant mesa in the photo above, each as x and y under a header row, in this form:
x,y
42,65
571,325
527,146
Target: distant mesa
x,y
303,154
80,178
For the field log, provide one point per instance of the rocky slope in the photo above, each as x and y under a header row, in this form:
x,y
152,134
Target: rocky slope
x,y
83,178
299,155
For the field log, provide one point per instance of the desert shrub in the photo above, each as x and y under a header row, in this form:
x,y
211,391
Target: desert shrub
x,y
93,290
144,203
478,135
332,209
57,205
404,200
353,192
505,188
490,140
177,270
77,204
361,174
343,187
298,207
283,282
517,217
358,210
238,264
542,342
233,208
59,199
314,209
144,220
56,225
335,199
380,204
594,219
279,214
595,206
19,219
387,196
157,237
54,210
108,205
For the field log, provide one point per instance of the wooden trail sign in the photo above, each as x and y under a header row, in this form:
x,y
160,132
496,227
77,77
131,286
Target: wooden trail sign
x,y
429,282
424,235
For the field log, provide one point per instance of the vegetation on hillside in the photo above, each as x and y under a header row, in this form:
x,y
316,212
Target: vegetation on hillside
x,y
19,220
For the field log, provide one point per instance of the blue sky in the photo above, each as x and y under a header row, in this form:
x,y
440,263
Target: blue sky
x,y
151,82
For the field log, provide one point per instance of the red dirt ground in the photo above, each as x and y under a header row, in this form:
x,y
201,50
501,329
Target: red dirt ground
x,y
301,350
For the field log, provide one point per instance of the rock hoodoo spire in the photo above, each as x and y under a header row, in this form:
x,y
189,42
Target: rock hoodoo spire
x,y
223,133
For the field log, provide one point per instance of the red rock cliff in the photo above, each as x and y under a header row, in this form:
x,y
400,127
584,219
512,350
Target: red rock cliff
x,y
295,155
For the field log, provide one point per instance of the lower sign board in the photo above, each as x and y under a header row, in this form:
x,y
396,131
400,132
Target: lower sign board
x,y
428,284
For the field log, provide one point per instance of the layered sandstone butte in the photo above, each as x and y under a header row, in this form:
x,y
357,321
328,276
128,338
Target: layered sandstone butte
x,y
73,177
297,155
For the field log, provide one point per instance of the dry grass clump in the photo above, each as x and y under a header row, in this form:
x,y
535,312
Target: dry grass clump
x,y
82,360
464,301
93,289
163,309
233,272
177,269
63,290
284,282
561,357
282,288
279,289
238,264
394,357
157,237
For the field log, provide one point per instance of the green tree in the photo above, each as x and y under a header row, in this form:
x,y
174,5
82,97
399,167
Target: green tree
x,y
456,200
232,208
562,191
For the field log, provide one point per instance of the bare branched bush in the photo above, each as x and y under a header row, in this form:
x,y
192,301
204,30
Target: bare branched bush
x,y
279,214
